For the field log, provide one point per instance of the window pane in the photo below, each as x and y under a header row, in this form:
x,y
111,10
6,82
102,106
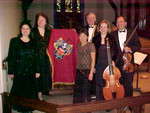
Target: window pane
x,y
78,6
68,6
58,5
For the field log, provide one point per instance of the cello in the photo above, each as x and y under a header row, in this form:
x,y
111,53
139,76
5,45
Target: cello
x,y
112,74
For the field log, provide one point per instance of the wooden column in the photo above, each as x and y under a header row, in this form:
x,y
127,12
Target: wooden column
x,y
6,103
128,13
137,11
147,15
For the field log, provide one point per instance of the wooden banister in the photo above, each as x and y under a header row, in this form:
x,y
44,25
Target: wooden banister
x,y
135,103
8,99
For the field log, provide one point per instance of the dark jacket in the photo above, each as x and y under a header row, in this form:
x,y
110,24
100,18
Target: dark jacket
x,y
134,44
97,43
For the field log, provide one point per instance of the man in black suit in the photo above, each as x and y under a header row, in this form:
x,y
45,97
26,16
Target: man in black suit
x,y
121,36
91,26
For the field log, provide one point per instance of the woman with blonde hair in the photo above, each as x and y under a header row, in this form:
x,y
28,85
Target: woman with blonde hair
x,y
104,29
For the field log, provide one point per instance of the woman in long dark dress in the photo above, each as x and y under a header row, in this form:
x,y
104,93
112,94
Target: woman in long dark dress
x,y
41,35
23,67
101,55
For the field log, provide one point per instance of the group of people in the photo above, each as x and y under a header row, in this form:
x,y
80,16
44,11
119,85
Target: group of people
x,y
93,59
28,63
29,67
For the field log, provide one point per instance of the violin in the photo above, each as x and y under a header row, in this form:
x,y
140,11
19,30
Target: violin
x,y
127,56
112,74
127,62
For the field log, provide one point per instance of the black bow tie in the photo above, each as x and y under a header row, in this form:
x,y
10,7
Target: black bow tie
x,y
91,26
122,31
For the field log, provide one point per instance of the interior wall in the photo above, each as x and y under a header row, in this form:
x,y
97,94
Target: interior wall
x,y
143,14
105,10
41,6
90,6
47,7
109,11
10,15
101,8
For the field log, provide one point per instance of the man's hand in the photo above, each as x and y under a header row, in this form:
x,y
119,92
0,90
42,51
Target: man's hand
x,y
37,75
11,76
127,49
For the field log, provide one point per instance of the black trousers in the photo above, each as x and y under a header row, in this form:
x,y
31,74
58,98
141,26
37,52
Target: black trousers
x,y
82,87
127,81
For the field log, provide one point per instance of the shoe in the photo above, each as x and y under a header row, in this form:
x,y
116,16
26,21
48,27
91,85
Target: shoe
x,y
125,108
107,110
93,97
46,93
130,109
27,112
40,96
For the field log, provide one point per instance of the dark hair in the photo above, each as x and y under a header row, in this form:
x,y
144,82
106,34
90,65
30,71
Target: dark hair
x,y
83,30
25,22
37,17
122,17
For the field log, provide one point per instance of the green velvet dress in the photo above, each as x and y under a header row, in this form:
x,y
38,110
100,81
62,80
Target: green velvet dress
x,y
22,63
44,82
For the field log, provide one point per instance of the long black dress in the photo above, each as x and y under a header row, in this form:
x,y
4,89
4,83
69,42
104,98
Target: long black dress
x,y
22,63
102,63
44,81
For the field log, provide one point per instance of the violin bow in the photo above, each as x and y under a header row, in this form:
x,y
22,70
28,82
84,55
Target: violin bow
x,y
132,33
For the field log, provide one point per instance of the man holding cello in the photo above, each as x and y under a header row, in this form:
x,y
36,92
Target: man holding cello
x,y
126,46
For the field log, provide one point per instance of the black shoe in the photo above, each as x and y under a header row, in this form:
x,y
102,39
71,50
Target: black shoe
x,y
130,109
107,110
46,93
27,112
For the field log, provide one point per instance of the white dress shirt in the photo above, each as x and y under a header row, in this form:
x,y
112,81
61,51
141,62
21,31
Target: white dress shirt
x,y
91,32
122,38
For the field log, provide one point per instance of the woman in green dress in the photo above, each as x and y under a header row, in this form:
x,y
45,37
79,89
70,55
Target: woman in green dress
x,y
23,67
41,34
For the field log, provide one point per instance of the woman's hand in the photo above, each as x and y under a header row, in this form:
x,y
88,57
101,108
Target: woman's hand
x,y
37,75
90,76
113,63
94,70
11,76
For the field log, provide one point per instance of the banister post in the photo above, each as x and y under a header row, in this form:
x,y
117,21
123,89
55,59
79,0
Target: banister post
x,y
136,109
6,103
120,110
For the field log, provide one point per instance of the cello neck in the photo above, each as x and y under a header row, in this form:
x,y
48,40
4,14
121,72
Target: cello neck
x,y
109,57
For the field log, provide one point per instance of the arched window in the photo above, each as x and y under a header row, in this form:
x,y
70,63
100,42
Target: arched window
x,y
68,14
